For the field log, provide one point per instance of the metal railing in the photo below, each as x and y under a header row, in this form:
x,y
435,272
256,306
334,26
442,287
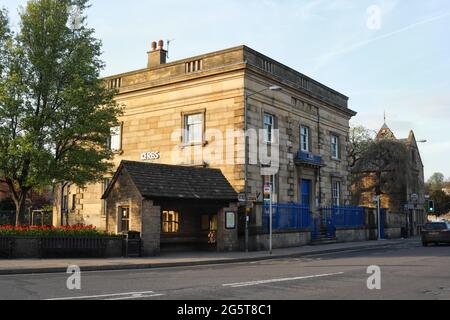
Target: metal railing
x,y
345,216
287,217
59,247
294,216
6,247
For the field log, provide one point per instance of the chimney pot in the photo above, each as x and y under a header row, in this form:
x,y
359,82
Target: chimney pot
x,y
157,56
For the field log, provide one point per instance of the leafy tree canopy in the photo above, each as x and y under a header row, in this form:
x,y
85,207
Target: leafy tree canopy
x,y
360,139
55,112
387,161
436,182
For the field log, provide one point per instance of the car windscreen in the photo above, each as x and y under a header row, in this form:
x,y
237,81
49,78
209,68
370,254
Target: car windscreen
x,y
436,226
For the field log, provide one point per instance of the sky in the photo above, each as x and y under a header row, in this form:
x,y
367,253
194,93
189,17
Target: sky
x,y
388,56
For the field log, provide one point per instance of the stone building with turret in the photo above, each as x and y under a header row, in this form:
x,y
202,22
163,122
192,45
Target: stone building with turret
x,y
405,202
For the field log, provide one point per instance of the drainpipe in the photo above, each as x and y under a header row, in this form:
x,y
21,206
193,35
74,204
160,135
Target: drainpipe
x,y
246,167
319,146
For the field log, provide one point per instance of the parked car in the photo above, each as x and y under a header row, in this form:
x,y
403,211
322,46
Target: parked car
x,y
436,232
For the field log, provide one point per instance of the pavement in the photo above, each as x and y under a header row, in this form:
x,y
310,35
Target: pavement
x,y
406,271
185,259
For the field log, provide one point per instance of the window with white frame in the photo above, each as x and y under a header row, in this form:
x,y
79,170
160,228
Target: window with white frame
x,y
336,193
269,126
304,139
115,140
335,146
193,128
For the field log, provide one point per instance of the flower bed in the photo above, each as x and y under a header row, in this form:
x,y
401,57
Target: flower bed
x,y
58,242
69,231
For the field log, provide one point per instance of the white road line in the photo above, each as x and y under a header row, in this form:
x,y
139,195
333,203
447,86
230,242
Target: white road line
x,y
258,282
105,295
137,297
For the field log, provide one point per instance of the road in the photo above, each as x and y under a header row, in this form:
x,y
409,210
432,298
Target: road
x,y
408,271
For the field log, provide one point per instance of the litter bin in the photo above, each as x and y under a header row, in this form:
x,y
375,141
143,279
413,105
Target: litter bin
x,y
132,244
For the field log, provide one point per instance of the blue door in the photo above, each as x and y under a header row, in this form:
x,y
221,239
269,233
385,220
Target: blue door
x,y
305,192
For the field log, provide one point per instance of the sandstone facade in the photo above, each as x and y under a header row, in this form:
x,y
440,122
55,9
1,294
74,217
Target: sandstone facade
x,y
158,99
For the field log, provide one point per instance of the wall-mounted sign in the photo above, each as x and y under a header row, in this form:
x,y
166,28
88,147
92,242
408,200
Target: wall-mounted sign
x,y
230,220
242,197
150,156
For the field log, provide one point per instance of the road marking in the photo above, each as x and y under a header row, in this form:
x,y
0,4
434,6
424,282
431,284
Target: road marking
x,y
258,282
137,296
123,296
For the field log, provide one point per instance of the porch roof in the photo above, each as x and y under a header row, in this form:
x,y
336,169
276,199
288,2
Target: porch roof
x,y
155,181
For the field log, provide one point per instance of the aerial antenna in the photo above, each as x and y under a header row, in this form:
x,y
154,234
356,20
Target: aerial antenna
x,y
168,46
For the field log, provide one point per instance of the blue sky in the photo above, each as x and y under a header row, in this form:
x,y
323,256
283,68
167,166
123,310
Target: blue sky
x,y
402,67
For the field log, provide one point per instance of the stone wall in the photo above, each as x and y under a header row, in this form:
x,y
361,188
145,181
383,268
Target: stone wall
x,y
151,229
352,234
124,193
260,242
227,239
393,232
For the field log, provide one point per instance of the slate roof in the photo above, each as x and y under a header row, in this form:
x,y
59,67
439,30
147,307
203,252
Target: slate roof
x,y
176,182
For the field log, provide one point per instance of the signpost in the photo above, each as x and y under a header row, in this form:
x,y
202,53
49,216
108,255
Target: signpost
x,y
377,199
268,189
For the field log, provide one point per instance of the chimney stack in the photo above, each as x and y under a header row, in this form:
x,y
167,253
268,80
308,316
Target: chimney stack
x,y
157,56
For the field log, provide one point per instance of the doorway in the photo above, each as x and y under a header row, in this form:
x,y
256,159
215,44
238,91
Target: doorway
x,y
305,192
209,224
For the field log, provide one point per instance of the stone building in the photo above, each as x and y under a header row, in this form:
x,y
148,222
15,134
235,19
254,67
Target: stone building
x,y
405,203
193,112
149,197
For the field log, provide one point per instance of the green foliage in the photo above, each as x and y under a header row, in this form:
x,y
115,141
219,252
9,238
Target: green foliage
x,y
441,202
360,139
436,182
55,111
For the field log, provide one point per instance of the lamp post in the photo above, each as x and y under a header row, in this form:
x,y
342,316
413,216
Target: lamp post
x,y
246,99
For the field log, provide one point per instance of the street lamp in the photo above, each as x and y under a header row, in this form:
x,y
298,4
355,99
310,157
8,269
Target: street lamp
x,y
246,98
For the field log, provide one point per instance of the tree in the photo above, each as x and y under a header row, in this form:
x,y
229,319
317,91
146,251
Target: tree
x,y
441,202
55,111
360,140
386,163
436,182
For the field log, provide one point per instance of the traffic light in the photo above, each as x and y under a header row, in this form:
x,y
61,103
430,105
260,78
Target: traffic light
x,y
431,206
